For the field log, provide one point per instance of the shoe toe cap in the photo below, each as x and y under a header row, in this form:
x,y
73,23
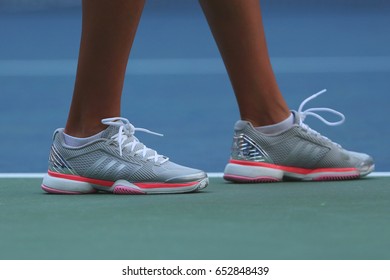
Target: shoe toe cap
x,y
174,173
363,162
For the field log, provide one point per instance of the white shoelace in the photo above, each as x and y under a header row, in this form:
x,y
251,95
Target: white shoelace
x,y
126,131
311,112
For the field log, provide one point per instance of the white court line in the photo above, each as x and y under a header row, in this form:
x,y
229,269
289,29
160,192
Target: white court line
x,y
188,66
373,174
21,175
210,174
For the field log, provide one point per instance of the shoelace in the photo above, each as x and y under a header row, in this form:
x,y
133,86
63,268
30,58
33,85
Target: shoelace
x,y
311,112
126,132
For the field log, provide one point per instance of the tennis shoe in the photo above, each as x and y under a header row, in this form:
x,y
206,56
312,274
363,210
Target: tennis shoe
x,y
299,153
116,163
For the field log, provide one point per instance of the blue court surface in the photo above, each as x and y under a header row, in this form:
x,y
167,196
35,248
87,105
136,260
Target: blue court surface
x,y
176,83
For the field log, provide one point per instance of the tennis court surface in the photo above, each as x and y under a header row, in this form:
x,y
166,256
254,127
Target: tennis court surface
x,y
176,84
293,220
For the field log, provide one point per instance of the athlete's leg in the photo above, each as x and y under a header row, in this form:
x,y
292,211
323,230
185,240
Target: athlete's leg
x,y
108,30
112,159
238,30
289,148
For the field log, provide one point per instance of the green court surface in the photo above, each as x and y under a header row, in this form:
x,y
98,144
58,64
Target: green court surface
x,y
293,220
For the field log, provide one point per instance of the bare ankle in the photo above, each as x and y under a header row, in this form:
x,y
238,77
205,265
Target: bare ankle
x,y
84,130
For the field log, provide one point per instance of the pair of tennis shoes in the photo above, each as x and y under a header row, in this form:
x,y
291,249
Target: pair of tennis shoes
x,y
119,163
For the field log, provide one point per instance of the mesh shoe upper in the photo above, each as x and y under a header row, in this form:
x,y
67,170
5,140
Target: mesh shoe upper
x,y
110,158
300,146
295,147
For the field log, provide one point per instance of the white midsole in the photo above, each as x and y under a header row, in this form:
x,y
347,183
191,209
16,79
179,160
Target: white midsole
x,y
254,172
66,185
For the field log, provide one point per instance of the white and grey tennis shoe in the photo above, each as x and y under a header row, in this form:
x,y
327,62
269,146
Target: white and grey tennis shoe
x,y
299,153
116,163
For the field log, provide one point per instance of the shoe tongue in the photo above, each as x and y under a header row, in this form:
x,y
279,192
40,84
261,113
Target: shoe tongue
x,y
297,118
110,131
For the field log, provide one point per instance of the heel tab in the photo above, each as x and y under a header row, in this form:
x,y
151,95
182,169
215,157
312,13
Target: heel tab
x,y
240,125
58,130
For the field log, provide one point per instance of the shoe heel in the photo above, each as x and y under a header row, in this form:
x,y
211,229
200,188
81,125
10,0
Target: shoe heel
x,y
56,185
251,174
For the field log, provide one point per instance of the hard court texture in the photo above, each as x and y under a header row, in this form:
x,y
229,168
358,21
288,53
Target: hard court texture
x,y
293,220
